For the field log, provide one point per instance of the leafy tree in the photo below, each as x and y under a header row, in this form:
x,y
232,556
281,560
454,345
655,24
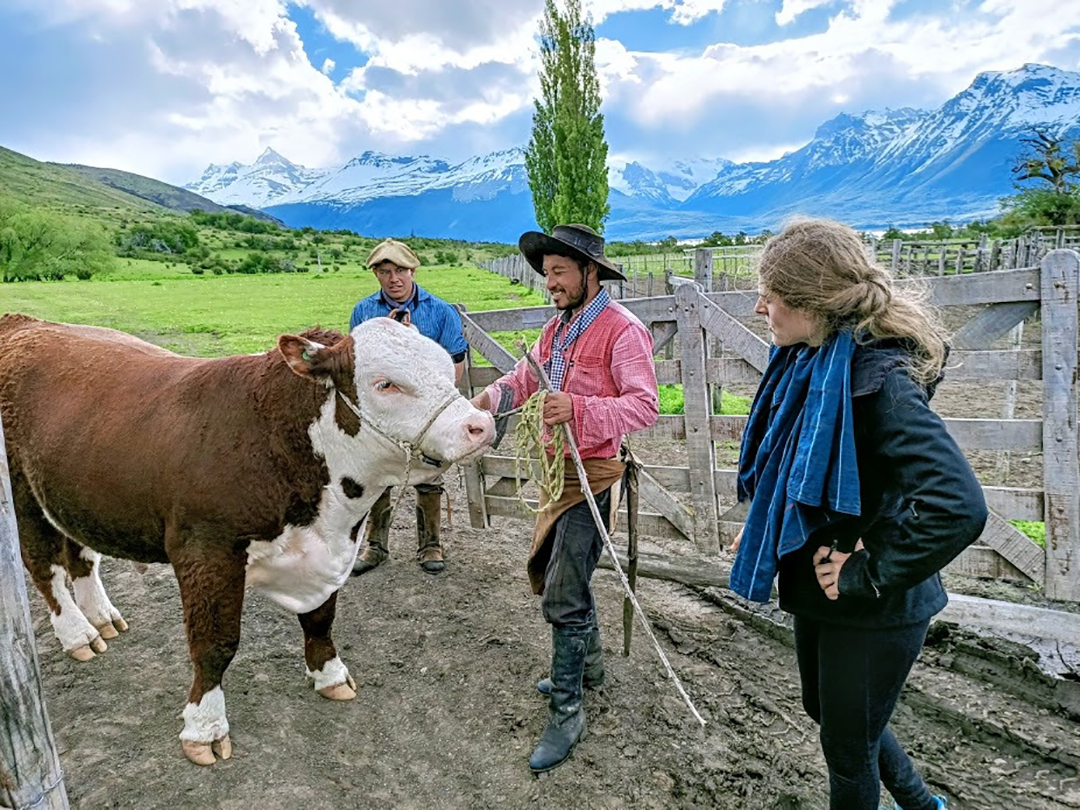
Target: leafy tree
x,y
43,245
1047,161
567,155
169,236
941,230
1057,165
716,239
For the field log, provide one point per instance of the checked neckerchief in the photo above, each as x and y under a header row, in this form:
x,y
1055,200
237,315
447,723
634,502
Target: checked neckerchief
x,y
557,364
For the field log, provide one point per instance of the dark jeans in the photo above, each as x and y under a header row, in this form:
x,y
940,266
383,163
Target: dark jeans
x,y
851,680
568,597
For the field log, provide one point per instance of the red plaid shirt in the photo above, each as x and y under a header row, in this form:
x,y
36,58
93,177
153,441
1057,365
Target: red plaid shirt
x,y
610,378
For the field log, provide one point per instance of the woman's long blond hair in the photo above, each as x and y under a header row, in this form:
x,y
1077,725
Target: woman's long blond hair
x,y
824,269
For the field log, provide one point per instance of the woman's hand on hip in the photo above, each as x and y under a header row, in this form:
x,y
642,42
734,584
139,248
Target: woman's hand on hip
x,y
827,565
738,539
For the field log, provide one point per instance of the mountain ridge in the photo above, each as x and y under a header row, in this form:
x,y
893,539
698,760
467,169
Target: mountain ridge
x,y
903,167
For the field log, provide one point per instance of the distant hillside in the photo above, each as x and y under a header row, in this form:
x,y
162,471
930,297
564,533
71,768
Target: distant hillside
x,y
38,183
73,186
172,197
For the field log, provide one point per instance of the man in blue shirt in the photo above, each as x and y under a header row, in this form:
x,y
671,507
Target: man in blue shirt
x,y
394,265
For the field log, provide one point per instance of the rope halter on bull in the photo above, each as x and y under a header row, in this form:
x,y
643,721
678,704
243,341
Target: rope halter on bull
x,y
609,546
411,448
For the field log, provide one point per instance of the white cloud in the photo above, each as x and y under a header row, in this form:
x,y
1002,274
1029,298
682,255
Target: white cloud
x,y
791,9
755,153
830,64
683,12
179,83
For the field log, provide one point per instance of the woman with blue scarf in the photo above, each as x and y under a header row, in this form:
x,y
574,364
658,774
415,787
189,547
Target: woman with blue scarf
x,y
858,495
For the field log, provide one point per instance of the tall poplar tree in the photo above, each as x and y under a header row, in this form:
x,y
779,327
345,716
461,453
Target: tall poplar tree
x,y
567,155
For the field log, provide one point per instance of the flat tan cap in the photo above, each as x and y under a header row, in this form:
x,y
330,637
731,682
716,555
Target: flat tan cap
x,y
390,250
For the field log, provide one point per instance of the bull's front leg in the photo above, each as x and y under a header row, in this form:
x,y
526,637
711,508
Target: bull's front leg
x,y
212,592
332,679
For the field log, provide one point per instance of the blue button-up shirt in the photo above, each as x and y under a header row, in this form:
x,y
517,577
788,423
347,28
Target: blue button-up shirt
x,y
434,318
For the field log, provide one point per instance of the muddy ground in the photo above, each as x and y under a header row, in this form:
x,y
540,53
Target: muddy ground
x,y
447,714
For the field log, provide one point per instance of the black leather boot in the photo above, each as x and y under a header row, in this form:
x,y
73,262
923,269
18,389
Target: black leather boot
x,y
593,676
566,717
429,551
378,534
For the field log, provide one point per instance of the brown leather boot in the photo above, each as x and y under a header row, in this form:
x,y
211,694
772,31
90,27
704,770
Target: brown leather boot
x,y
429,551
378,533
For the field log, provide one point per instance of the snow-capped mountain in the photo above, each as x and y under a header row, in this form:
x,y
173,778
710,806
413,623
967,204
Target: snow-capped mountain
x,y
270,178
908,167
666,185
903,167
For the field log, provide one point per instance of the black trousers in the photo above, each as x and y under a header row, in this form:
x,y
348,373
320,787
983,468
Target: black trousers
x,y
568,598
851,680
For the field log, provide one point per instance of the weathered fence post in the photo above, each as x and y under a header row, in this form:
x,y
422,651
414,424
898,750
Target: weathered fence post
x,y
473,474
697,416
1061,476
703,268
30,774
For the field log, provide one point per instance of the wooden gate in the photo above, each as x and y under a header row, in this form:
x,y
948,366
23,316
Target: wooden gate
x,y
697,503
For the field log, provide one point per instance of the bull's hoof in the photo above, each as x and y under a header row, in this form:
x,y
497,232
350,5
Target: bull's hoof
x,y
203,753
108,631
341,691
82,654
99,645
120,624
198,752
222,747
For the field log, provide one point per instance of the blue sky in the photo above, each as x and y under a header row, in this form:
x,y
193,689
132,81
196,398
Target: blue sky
x,y
164,87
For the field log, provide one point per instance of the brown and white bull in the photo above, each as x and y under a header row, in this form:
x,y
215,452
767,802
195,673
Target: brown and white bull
x,y
254,471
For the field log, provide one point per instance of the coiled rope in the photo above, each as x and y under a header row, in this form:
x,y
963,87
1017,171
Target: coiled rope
x,y
532,448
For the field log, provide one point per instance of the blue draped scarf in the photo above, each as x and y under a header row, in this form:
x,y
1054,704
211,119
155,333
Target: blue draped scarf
x,y
797,462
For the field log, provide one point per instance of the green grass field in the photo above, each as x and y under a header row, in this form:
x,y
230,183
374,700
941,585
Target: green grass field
x,y
218,315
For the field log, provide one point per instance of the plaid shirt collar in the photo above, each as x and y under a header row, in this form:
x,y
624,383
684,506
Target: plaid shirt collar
x,y
573,328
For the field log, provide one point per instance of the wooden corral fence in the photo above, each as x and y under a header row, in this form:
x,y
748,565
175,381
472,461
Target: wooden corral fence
x,y
728,268
30,775
732,266
922,257
696,503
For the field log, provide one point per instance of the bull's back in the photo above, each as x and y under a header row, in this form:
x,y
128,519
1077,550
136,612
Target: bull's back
x,y
89,416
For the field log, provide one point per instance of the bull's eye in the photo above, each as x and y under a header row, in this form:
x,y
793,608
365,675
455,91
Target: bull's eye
x,y
386,386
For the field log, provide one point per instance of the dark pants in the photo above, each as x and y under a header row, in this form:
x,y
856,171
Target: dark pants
x,y
851,680
568,597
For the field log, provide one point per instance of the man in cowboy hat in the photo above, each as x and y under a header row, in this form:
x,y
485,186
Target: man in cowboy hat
x,y
394,265
599,359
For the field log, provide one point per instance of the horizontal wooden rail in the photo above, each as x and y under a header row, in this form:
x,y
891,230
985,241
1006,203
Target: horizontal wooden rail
x,y
649,523
1011,503
971,434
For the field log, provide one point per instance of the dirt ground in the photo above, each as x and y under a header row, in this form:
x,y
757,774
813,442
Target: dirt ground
x,y
447,713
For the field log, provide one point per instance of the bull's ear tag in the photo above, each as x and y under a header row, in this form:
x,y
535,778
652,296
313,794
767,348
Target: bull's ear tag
x,y
306,357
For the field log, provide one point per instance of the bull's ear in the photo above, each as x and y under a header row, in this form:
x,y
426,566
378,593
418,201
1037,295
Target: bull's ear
x,y
303,355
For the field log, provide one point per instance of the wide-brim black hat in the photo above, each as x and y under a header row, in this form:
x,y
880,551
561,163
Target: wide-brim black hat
x,y
579,241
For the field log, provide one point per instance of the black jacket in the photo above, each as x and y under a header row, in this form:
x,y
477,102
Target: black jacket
x,y
921,506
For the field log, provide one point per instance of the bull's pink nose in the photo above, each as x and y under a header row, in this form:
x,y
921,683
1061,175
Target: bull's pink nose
x,y
480,428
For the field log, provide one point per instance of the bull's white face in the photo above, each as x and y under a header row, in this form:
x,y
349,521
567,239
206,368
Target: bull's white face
x,y
402,380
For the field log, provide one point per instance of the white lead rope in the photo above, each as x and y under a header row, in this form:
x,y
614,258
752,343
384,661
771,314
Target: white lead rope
x,y
586,490
410,449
